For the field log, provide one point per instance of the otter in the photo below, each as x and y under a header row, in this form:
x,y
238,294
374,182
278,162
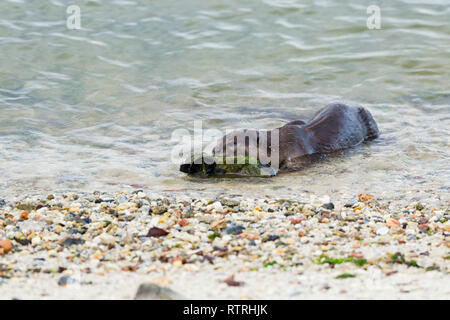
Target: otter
x,y
299,143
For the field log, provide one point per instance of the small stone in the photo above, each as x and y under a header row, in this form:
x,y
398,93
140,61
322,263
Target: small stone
x,y
35,241
297,220
392,223
420,207
5,246
363,197
157,232
217,206
447,226
50,197
229,202
411,237
233,283
183,222
218,224
328,206
250,236
382,231
349,205
58,229
159,210
72,241
187,212
66,280
107,240
24,215
234,229
424,227
423,220
151,291
271,237
122,199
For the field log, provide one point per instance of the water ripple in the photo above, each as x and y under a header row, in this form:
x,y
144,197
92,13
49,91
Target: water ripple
x,y
116,62
95,42
93,107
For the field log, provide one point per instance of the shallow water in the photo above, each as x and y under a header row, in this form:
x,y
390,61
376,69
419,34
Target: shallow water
x,y
94,109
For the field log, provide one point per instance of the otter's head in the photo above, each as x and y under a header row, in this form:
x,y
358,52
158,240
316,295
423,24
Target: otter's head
x,y
205,167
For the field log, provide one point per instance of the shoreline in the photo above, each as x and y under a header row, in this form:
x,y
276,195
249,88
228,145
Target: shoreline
x,y
104,245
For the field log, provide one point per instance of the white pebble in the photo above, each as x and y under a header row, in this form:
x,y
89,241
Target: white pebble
x,y
36,241
382,231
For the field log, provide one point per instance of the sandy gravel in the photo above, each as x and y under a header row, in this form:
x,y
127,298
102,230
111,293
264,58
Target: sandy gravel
x,y
103,246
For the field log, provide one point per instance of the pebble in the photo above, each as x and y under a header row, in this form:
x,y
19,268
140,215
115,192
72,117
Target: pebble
x,y
5,246
72,241
382,231
66,280
270,237
328,206
152,291
156,232
217,206
234,229
229,202
392,223
35,241
107,239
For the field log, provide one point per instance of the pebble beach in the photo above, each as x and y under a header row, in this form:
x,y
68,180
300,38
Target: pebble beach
x,y
106,104
110,246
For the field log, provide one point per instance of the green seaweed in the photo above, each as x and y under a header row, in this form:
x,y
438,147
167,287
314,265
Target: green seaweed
x,y
26,206
432,268
360,262
333,261
214,235
346,275
270,263
400,259
413,263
